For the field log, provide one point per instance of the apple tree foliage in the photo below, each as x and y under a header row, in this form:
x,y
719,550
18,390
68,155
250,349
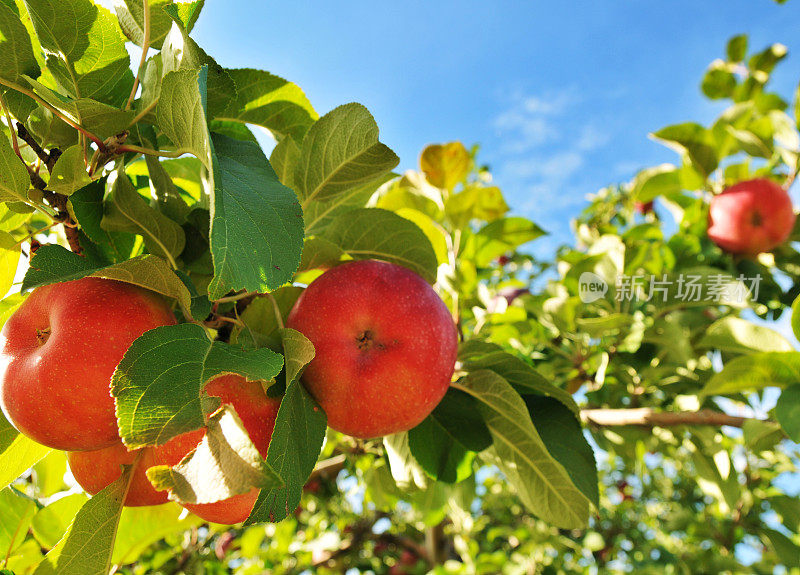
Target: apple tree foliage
x,y
574,434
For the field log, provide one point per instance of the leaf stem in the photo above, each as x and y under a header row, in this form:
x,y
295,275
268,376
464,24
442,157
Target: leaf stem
x,y
14,140
36,233
277,310
39,100
145,49
138,117
231,298
151,152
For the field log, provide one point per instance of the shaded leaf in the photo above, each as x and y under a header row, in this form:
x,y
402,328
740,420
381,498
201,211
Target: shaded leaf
x,y
541,482
223,465
127,211
158,384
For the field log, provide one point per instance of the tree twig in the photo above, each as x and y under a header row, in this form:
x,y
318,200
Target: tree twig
x,y
648,417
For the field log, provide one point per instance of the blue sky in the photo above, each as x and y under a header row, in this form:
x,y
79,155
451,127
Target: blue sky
x,y
560,95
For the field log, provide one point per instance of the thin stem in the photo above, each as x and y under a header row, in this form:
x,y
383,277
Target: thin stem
x,y
14,140
150,152
138,117
57,112
278,316
36,233
235,297
145,48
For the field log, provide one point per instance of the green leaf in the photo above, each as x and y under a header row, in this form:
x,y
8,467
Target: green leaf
x,y
406,471
341,152
85,48
17,512
87,545
167,194
141,527
755,372
445,443
796,317
158,384
127,211
787,411
737,335
502,236
224,464
737,48
270,102
18,457
663,180
9,259
563,436
131,19
14,178
319,215
719,81
259,317
69,174
694,141
180,112
481,355
373,233
54,263
434,232
16,52
87,207
51,522
101,119
788,551
256,222
476,203
319,253
297,439
541,482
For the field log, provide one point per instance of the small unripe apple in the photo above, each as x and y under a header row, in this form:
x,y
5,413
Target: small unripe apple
x,y
58,352
94,470
751,217
385,347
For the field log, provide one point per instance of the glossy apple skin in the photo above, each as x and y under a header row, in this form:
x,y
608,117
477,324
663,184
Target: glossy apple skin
x,y
751,217
385,347
56,388
94,470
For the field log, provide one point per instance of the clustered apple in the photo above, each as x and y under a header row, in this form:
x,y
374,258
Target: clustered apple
x,y
751,217
385,350
58,352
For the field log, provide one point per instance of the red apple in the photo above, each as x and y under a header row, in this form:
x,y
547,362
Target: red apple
x,y
385,347
94,470
643,207
751,217
58,352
